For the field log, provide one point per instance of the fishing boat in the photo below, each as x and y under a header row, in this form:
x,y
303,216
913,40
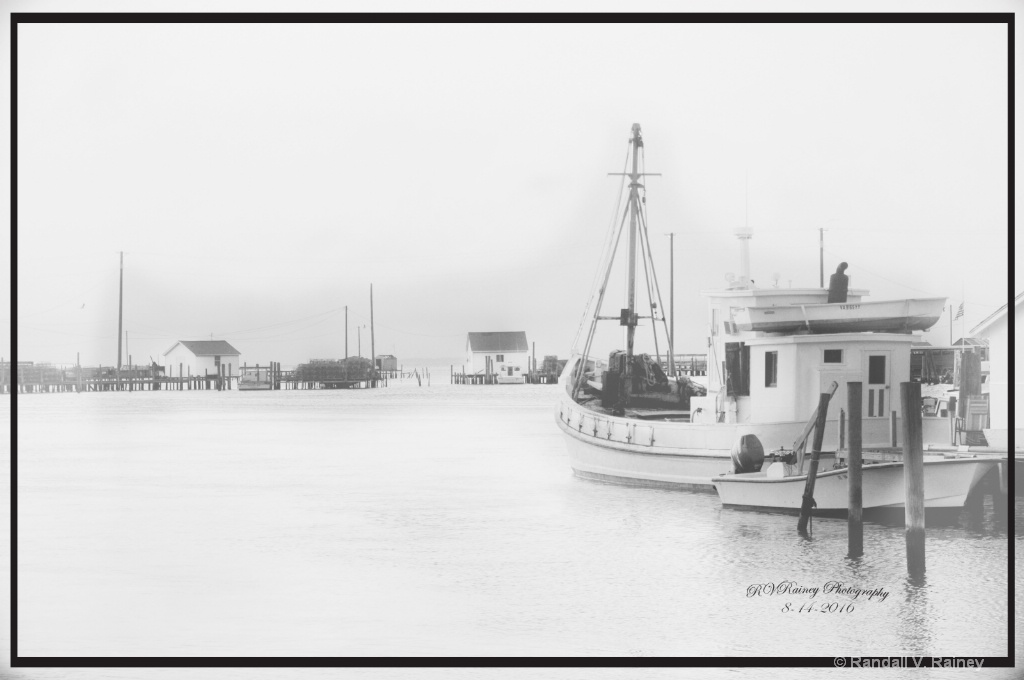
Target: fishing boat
x,y
254,379
631,419
947,482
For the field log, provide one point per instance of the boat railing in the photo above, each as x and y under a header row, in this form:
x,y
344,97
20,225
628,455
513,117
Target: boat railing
x,y
607,429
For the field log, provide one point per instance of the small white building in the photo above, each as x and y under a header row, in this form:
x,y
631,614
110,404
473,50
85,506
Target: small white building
x,y
996,329
507,350
201,357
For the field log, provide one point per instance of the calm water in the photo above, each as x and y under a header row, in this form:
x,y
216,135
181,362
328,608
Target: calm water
x,y
433,521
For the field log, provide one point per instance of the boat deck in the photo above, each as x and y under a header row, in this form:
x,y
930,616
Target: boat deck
x,y
665,414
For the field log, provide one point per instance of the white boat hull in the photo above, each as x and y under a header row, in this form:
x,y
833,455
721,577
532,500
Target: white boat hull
x,y
892,316
613,463
244,387
946,485
658,453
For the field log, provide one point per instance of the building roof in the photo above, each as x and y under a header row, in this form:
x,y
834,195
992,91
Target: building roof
x,y
500,341
385,356
971,342
998,314
206,348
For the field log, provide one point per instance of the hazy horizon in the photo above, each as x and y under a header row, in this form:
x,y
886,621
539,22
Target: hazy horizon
x,y
260,177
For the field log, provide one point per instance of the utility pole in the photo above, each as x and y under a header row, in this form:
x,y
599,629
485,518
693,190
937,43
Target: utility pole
x,y
672,304
346,331
120,311
373,356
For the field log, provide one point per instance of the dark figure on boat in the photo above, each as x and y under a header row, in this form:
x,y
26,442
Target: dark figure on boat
x,y
838,284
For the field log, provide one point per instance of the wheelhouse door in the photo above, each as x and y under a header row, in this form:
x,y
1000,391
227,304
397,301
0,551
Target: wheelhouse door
x,y
877,392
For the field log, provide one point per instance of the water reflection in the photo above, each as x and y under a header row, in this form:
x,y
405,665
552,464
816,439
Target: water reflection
x,y
915,616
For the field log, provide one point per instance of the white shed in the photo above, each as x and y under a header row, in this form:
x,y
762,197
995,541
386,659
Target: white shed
x,y
506,349
201,357
996,329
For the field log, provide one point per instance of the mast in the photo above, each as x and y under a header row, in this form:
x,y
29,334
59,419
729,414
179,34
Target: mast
x,y
627,317
634,207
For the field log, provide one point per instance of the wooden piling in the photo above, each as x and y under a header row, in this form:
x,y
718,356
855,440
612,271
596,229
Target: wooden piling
x,y
812,471
913,476
855,461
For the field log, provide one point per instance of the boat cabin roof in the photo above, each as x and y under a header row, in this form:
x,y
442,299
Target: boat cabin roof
x,y
830,339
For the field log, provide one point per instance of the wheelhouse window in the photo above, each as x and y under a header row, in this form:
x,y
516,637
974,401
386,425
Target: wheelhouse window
x,y
771,369
833,356
737,369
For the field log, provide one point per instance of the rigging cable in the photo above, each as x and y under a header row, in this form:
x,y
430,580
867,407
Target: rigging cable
x,y
646,234
606,253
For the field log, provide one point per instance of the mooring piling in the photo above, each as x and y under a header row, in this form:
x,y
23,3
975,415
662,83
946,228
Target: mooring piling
x,y
913,476
855,461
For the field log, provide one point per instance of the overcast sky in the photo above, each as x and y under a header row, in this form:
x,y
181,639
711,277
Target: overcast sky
x,y
260,177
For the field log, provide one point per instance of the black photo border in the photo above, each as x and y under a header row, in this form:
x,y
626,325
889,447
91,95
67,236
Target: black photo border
x,y
18,18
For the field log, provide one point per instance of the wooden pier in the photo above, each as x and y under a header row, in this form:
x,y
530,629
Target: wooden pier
x,y
484,378
42,379
685,364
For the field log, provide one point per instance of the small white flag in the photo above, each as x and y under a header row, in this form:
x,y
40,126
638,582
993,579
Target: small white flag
x,y
959,312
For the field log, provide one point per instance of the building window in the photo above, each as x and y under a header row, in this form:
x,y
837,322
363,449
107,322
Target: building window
x,y
833,356
499,357
771,369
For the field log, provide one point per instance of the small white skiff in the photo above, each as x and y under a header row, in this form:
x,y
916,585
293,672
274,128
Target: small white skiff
x,y
946,485
884,316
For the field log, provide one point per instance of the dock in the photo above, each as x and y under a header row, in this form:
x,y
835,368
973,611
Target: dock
x,y
31,378
485,378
